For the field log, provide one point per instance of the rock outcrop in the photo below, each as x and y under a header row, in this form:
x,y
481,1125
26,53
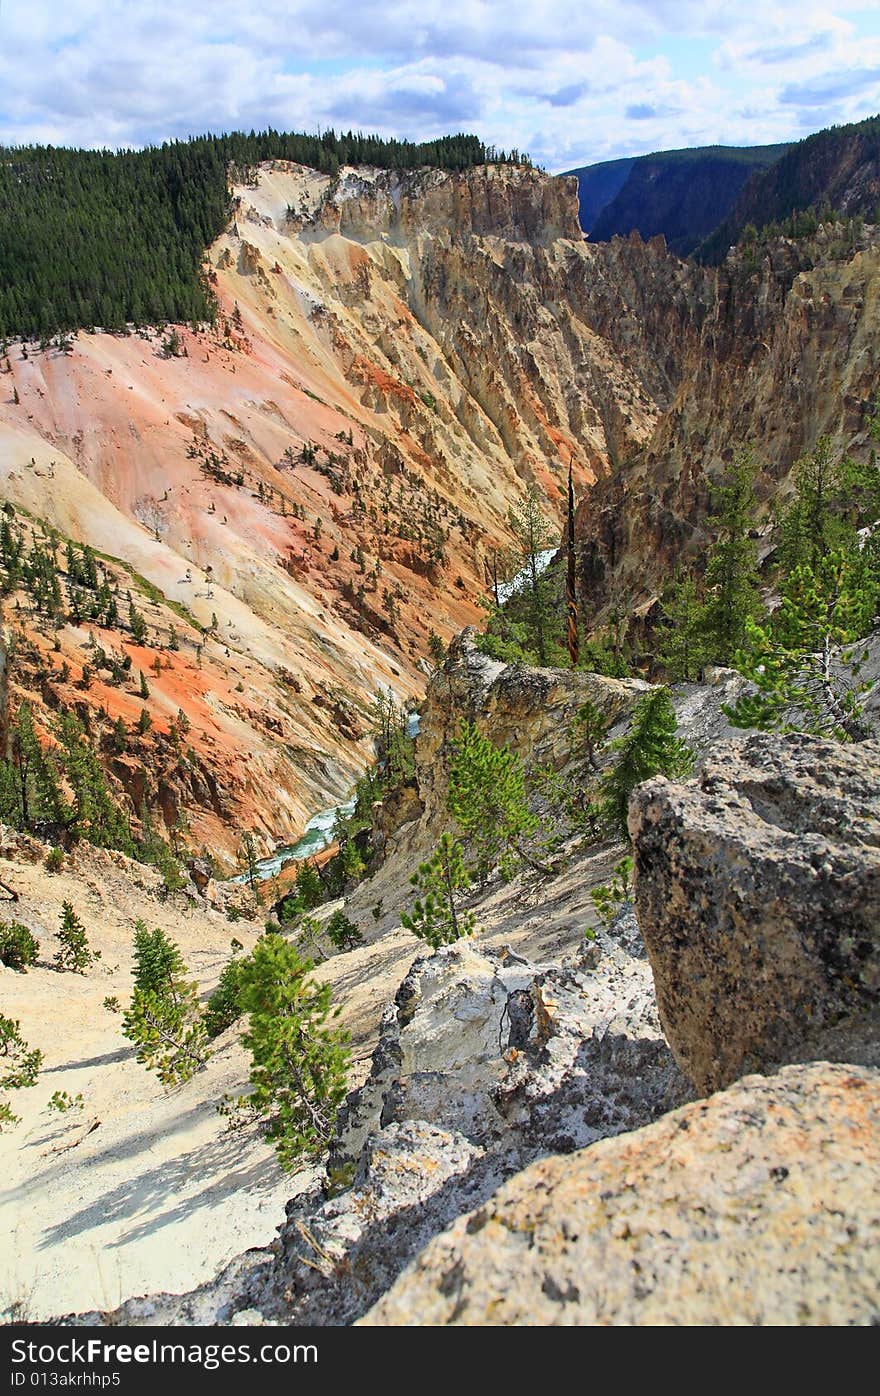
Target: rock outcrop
x,y
774,351
485,1062
756,889
756,1206
527,709
758,897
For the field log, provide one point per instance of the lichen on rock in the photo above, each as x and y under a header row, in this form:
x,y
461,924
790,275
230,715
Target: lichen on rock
x,y
758,896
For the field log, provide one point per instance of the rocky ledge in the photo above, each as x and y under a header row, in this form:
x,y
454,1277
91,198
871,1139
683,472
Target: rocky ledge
x,y
523,1151
758,896
758,1205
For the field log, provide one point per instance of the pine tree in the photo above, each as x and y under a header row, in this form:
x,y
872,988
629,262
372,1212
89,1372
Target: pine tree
x,y
74,953
533,534
95,816
809,526
732,593
30,793
487,799
309,939
157,960
19,1065
682,647
136,624
224,1006
589,730
649,748
309,887
164,1020
435,916
342,933
249,849
805,661
299,1063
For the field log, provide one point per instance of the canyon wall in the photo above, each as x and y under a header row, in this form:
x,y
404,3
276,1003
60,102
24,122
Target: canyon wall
x,y
781,347
304,492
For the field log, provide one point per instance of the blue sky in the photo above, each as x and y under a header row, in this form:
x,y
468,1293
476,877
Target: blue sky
x,y
570,81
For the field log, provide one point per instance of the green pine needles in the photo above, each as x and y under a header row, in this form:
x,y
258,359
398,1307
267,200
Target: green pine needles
x,y
435,916
649,748
805,660
73,952
224,1006
19,1066
488,801
299,1060
164,1020
92,238
18,946
342,932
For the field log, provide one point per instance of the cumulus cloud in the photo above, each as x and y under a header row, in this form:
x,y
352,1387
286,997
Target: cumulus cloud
x,y
567,81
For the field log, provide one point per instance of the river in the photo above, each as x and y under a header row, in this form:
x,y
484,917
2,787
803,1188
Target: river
x,y
523,576
318,833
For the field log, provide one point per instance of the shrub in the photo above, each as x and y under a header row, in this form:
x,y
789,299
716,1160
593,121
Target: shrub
x,y
62,1101
18,947
54,860
342,933
74,953
298,1062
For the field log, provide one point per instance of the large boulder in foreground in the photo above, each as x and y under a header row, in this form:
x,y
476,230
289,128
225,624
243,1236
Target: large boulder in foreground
x,y
758,897
760,1205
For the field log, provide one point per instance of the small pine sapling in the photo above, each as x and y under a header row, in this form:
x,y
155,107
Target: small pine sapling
x,y
74,953
164,1020
610,897
435,916
589,730
299,1062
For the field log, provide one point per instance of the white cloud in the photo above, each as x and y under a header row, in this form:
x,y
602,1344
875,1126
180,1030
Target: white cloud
x,y
568,81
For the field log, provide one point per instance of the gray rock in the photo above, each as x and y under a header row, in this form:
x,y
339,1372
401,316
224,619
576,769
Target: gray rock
x,y
758,897
201,871
485,1062
717,1214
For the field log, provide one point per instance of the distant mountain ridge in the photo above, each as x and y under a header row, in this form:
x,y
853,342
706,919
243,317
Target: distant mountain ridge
x,y
837,169
682,194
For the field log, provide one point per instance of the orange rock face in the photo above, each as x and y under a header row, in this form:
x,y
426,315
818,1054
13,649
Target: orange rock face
x,y
318,482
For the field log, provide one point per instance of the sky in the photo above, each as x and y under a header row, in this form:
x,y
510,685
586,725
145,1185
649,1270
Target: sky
x,y
569,81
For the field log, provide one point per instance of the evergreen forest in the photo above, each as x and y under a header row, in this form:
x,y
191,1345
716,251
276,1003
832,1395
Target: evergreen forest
x,y
95,238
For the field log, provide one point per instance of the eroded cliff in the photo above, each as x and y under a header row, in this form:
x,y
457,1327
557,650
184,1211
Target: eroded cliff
x,y
314,486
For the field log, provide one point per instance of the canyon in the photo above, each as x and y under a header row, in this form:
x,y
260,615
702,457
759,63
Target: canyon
x,y
308,490
301,500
